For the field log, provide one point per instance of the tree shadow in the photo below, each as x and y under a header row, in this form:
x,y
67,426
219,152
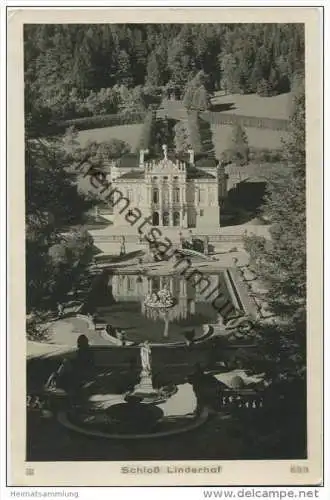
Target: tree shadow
x,y
237,218
225,106
243,203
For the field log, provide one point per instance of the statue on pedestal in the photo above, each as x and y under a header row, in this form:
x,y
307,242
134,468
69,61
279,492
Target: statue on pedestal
x,y
145,354
181,239
122,246
164,148
206,245
142,153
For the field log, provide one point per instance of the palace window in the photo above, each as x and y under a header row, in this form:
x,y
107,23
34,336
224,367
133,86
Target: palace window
x,y
166,195
201,196
176,195
155,219
166,219
155,195
176,219
130,283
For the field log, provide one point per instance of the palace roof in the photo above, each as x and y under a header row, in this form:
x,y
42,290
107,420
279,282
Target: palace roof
x,y
196,173
192,173
131,160
133,174
206,162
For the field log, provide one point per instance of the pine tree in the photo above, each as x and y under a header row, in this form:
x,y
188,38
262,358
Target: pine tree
x,y
200,100
153,71
229,72
196,95
59,58
238,149
181,59
281,263
188,96
148,132
54,202
124,74
181,137
264,88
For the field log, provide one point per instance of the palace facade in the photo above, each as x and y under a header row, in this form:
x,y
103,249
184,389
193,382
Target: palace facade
x,y
171,191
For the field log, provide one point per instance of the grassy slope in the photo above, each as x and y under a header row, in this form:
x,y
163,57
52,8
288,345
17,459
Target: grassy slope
x,y
258,138
249,105
127,133
253,105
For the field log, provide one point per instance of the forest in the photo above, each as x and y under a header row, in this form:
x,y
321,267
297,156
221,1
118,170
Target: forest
x,y
93,69
82,63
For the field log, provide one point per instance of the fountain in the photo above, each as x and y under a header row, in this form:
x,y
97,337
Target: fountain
x,y
144,411
158,304
144,391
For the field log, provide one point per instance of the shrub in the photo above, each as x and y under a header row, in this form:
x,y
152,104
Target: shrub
x,y
102,102
188,97
260,155
196,95
101,121
114,148
36,330
268,88
238,150
200,134
194,132
148,130
181,137
139,99
200,99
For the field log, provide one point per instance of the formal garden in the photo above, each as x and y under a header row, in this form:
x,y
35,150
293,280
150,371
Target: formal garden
x,y
135,365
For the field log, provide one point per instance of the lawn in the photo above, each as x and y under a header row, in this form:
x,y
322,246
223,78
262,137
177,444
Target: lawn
x,y
253,105
248,105
127,133
257,137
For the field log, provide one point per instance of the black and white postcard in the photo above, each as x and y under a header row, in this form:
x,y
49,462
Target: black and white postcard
x,y
165,190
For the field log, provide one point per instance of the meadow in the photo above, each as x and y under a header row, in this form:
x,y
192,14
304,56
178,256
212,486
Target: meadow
x,y
277,106
247,105
127,133
257,138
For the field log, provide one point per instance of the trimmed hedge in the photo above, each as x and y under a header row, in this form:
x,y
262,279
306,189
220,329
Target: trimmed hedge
x,y
265,155
148,131
194,132
219,118
200,134
101,121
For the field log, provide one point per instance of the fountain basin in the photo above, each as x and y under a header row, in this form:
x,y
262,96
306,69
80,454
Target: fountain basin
x,y
116,416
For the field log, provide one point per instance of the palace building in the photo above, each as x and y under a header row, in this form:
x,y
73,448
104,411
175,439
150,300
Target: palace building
x,y
172,190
